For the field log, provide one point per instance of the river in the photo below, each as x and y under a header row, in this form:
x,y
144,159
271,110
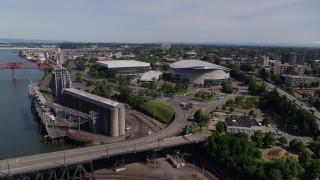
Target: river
x,y
19,132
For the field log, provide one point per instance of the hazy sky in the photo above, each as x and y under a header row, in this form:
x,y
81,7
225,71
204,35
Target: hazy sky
x,y
263,21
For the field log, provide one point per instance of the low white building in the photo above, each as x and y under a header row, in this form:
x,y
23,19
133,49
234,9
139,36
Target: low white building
x,y
150,76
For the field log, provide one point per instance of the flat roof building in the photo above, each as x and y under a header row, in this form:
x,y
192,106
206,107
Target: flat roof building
x,y
150,76
125,66
235,124
198,72
293,80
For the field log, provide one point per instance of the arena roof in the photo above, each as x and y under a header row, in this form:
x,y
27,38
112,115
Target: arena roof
x,y
196,64
122,63
92,97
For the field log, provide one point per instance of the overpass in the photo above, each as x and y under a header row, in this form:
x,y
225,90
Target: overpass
x,y
37,163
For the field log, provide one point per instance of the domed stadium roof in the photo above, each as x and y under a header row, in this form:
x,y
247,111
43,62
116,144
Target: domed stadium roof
x,y
196,64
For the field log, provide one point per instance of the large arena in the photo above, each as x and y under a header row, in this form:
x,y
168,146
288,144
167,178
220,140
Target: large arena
x,y
198,72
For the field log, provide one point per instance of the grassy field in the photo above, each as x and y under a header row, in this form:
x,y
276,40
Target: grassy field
x,y
162,111
183,92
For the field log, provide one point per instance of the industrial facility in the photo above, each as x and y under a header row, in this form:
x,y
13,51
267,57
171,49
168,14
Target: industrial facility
x,y
198,72
60,79
104,116
125,66
110,115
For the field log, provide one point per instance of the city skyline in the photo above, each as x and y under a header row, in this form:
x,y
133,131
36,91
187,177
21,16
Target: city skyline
x,y
199,21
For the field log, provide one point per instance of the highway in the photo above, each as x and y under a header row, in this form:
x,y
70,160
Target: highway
x,y
294,100
77,156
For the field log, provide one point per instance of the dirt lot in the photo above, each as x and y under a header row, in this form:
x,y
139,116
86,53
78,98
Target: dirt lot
x,y
142,171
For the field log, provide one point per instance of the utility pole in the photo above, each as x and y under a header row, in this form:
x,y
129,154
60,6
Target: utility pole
x,y
64,154
8,165
203,170
100,139
107,151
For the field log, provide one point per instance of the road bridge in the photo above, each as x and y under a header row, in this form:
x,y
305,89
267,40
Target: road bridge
x,y
36,163
25,65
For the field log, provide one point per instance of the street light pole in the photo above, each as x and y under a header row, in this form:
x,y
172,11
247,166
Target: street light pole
x,y
203,170
285,129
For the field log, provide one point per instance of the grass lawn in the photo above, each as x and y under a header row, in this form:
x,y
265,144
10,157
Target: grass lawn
x,y
183,92
162,111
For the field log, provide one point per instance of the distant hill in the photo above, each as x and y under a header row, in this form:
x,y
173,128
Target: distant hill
x,y
40,41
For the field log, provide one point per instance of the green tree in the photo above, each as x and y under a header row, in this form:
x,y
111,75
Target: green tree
x,y
200,118
165,67
80,62
189,105
79,77
297,145
198,115
220,127
289,168
257,137
125,93
231,109
313,169
267,120
268,140
304,158
102,89
226,87
252,113
275,174
283,140
316,147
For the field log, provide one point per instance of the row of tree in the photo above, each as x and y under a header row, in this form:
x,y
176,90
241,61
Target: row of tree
x,y
173,88
243,159
297,119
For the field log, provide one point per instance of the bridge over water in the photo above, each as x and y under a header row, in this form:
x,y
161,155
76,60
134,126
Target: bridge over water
x,y
25,65
36,163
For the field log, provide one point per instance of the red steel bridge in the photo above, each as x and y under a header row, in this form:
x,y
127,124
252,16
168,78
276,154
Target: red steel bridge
x,y
25,65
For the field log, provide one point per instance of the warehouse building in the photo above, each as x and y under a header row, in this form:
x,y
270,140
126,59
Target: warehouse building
x,y
125,66
198,72
110,115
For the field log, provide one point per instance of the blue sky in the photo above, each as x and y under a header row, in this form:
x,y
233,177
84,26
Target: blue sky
x,y
262,21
